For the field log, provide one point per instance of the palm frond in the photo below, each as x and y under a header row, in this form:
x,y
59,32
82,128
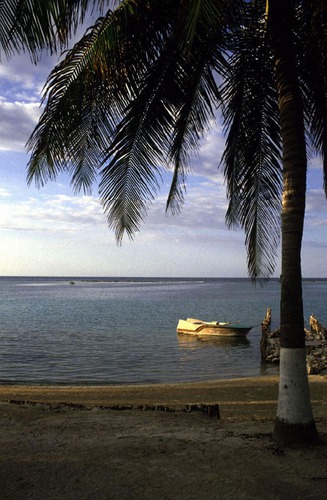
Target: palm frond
x,y
120,93
130,180
32,25
199,97
193,12
86,95
164,123
252,156
75,117
312,56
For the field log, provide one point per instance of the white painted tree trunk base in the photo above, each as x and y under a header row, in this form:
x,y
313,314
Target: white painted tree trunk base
x,y
294,422
294,405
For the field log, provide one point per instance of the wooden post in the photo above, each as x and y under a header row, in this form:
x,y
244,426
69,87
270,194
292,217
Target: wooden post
x,y
265,328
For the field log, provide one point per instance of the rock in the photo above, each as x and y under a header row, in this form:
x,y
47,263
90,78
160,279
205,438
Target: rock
x,y
316,345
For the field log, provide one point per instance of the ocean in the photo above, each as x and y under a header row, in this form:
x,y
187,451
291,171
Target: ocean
x,y
123,330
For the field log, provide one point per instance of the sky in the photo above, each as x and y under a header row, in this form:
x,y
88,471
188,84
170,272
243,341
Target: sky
x,y
53,232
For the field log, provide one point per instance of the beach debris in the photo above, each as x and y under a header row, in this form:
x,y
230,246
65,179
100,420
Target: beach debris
x,y
212,410
315,340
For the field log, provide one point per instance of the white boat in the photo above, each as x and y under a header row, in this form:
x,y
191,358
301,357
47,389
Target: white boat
x,y
198,327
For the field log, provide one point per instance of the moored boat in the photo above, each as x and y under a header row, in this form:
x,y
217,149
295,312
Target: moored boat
x,y
197,327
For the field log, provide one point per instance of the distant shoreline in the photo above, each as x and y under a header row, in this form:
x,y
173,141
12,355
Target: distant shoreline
x,y
138,279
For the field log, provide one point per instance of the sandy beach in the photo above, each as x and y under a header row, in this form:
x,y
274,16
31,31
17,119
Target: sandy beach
x,y
142,442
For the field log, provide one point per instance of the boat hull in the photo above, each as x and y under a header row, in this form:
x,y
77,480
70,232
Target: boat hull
x,y
212,329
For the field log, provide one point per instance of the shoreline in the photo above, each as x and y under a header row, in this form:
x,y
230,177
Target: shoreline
x,y
177,391
235,397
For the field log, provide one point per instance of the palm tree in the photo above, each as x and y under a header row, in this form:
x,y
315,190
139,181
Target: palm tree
x,y
296,89
275,91
138,91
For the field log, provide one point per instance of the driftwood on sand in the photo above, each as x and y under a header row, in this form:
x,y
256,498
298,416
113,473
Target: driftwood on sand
x,y
316,344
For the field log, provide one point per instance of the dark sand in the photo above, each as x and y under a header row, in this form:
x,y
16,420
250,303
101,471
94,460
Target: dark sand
x,y
79,443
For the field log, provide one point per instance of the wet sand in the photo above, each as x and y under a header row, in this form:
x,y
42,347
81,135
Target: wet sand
x,y
139,442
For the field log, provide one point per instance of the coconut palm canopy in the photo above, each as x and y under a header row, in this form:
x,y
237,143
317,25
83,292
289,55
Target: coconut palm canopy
x,y
139,90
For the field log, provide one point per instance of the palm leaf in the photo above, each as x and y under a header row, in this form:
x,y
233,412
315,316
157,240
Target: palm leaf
x,y
105,78
163,125
251,159
33,25
199,99
74,119
312,55
130,180
86,95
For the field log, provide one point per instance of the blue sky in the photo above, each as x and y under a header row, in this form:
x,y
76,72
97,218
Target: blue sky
x,y
53,232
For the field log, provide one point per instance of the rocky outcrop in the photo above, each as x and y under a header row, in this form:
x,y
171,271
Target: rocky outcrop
x,y
315,339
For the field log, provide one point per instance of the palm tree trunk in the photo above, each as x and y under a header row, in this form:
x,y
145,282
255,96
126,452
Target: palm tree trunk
x,y
294,421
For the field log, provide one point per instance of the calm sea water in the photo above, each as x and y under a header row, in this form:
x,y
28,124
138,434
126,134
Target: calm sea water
x,y
114,331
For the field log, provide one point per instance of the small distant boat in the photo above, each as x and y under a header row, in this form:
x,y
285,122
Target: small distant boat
x,y
197,327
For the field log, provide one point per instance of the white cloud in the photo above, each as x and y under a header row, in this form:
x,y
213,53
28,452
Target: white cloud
x,y
203,216
4,193
51,214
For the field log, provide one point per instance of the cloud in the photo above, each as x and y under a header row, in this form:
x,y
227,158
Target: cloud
x,y
207,161
316,208
4,193
53,214
20,77
17,120
201,221
21,83
202,217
